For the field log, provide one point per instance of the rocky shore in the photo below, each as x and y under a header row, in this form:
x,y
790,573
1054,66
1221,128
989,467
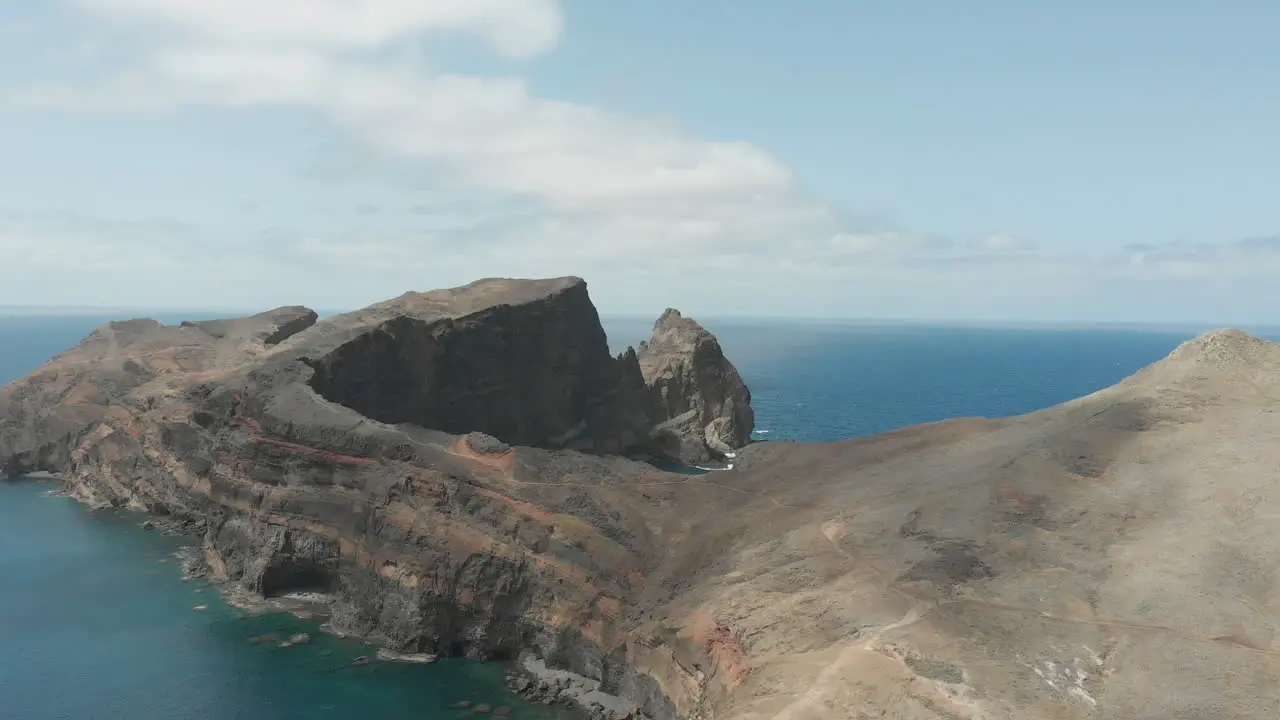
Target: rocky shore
x,y
577,697
538,683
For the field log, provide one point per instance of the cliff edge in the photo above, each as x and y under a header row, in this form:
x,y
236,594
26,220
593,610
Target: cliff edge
x,y
1110,558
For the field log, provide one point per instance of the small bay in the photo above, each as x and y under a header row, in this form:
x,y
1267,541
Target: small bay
x,y
96,622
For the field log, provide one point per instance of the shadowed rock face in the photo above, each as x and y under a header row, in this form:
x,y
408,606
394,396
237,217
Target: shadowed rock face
x,y
705,405
534,373
1109,558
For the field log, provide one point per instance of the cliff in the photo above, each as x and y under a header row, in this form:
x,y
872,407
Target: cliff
x,y
1107,558
525,361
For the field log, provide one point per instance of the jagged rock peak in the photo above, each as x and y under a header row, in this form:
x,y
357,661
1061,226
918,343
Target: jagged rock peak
x,y
705,403
667,316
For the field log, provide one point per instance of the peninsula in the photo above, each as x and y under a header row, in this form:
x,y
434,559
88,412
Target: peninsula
x,y
471,472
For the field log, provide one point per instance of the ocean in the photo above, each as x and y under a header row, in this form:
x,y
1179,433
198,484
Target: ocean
x,y
96,622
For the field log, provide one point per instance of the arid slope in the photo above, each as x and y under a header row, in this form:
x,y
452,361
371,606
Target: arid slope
x,y
1112,557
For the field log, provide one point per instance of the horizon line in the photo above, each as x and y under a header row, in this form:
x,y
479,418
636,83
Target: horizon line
x,y
128,312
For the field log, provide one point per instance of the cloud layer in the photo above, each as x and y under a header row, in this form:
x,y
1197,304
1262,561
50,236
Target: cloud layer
x,y
634,204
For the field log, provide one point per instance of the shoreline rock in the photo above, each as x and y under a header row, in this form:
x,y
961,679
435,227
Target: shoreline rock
x,y
413,658
537,682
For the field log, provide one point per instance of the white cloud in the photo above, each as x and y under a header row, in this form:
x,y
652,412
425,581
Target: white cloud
x,y
607,184
518,28
630,201
483,133
86,261
1002,243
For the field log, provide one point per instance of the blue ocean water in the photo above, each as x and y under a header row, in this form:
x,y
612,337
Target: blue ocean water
x,y
819,382
95,621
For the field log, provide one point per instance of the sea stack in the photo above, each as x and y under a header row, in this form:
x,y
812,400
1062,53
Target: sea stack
x,y
705,405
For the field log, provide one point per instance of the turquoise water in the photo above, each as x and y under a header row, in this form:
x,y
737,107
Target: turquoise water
x,y
97,624
95,621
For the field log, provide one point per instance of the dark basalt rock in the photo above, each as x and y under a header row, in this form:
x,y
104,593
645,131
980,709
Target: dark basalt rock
x,y
535,373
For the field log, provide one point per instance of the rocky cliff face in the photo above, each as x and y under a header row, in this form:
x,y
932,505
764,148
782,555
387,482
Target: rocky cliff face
x,y
448,465
526,362
1111,558
704,405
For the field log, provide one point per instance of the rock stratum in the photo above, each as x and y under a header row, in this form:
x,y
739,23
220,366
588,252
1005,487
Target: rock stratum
x,y
450,466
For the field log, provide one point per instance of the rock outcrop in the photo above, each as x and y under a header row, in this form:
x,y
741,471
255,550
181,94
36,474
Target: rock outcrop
x,y
705,403
1111,558
524,361
44,416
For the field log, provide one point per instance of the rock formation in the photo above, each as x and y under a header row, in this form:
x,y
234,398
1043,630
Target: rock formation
x,y
693,385
524,361
1110,558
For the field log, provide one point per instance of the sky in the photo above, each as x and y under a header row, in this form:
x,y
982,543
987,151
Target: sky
x,y
987,160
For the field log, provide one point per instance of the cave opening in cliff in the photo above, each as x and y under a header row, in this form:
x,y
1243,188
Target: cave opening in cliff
x,y
288,578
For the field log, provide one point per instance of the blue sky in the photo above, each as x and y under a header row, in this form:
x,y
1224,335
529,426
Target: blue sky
x,y
985,160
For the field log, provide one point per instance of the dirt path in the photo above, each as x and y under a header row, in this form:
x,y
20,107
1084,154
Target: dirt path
x,y
833,674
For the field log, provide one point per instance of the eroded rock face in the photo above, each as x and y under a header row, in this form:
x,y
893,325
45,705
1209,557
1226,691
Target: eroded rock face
x,y
534,373
704,404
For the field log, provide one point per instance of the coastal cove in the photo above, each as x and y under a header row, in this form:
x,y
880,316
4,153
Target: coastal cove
x,y
96,621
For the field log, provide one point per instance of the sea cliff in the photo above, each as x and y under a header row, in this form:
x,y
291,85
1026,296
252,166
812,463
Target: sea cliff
x,y
452,467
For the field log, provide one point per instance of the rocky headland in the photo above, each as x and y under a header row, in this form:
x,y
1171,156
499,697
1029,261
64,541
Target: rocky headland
x,y
462,472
